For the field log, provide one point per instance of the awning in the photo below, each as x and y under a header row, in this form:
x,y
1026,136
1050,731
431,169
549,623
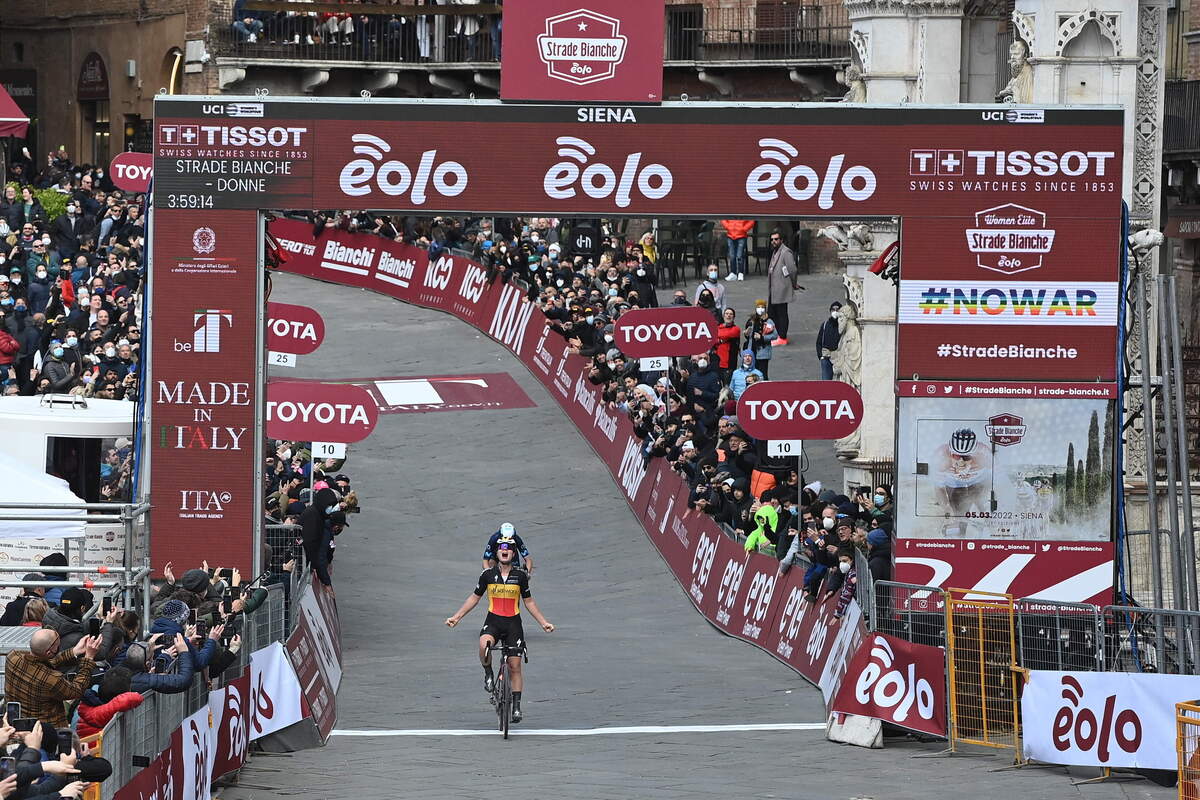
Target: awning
x,y
1184,222
13,121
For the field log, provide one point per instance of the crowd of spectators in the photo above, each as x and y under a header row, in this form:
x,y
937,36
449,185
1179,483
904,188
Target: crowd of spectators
x,y
85,664
375,36
306,507
70,283
687,414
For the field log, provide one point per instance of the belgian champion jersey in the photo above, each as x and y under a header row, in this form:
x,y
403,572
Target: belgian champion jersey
x,y
503,594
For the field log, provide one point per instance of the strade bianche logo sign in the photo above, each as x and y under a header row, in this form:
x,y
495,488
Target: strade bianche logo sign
x,y
1005,429
1009,238
582,47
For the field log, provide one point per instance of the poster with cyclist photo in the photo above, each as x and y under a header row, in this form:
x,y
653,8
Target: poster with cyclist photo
x,y
1011,469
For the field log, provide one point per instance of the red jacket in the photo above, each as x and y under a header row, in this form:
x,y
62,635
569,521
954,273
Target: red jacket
x,y
737,228
9,347
92,719
727,339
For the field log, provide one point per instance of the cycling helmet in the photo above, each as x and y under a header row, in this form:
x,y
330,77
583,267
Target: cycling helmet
x,y
962,441
507,530
506,543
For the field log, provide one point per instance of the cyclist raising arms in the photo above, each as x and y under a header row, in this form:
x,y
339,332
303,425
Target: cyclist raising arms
x,y
505,585
507,531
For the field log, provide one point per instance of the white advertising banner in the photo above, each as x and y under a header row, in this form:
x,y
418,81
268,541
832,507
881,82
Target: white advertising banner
x,y
1103,719
274,691
199,748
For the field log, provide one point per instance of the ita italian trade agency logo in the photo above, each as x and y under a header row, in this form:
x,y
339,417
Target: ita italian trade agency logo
x,y
582,47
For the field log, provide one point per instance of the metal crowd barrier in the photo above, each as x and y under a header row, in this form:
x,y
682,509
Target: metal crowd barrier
x,y
909,611
1059,636
284,541
864,586
1140,639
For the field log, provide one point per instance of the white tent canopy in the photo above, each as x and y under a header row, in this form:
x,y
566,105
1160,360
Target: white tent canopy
x,y
19,484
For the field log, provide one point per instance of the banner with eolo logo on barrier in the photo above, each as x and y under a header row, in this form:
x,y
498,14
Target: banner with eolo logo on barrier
x,y
898,682
1103,719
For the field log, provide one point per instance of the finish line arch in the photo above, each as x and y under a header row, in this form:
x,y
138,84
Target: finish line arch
x,y
988,200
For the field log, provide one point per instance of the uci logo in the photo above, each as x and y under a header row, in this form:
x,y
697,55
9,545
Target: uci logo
x,y
992,116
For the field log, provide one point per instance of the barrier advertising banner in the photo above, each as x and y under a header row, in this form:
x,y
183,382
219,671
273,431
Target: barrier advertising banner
x,y
1103,719
1005,469
898,682
214,741
594,51
229,709
275,701
314,649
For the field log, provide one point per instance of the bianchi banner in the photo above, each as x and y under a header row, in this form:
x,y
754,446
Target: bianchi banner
x,y
1009,469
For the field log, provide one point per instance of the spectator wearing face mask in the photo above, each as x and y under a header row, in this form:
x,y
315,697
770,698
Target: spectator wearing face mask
x,y
827,341
644,281
38,293
703,387
40,255
56,375
713,286
760,336
746,368
67,230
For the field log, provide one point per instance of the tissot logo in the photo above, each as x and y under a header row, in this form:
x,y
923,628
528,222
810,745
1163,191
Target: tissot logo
x,y
1010,163
582,47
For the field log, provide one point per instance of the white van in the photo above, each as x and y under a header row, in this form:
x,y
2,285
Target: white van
x,y
73,438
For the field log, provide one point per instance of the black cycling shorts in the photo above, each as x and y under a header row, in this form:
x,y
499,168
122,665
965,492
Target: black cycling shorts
x,y
505,630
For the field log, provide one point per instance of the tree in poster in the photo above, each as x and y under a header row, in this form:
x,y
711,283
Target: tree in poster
x,y
1094,478
1069,488
1080,484
1106,447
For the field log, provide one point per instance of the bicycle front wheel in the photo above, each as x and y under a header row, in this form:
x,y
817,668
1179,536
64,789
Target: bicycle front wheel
x,y
505,708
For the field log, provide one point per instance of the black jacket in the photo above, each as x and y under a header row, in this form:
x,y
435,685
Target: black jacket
x,y
828,336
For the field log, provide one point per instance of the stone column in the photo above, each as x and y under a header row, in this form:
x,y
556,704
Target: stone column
x,y
909,50
874,300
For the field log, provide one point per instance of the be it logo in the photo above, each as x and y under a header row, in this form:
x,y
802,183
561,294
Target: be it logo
x,y
206,336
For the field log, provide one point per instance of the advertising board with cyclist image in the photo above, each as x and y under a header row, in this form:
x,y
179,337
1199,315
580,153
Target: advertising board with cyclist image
x,y
1004,469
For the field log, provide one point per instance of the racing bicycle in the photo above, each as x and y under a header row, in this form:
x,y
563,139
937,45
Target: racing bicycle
x,y
501,696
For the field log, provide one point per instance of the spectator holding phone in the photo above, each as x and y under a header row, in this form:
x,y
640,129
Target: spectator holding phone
x,y
139,660
32,677
67,621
